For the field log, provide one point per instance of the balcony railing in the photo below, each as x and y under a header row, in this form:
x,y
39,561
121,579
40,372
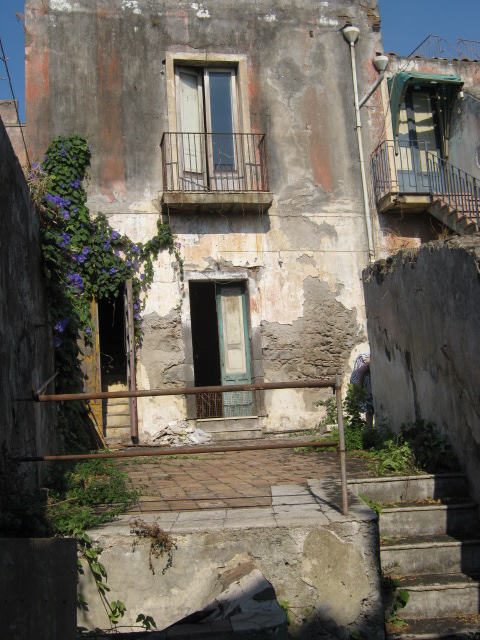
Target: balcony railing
x,y
214,162
436,47
410,168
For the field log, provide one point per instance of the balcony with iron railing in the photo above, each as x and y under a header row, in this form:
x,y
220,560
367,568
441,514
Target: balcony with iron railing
x,y
436,47
207,172
410,177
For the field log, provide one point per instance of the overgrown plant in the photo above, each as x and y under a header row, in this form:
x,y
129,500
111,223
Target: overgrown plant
x,y
84,258
395,458
432,451
115,609
84,495
87,494
161,543
395,599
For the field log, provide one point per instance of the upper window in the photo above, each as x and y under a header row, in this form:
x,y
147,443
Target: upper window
x,y
418,121
209,146
207,117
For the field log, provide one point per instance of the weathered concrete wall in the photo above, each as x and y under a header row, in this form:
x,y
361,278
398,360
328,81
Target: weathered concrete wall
x,y
26,348
8,114
422,315
38,588
307,251
325,565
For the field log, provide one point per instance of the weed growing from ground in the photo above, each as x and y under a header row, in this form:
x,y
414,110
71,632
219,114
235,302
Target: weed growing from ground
x,y
87,494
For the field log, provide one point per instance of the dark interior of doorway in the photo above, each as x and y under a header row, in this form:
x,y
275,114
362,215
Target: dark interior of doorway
x,y
113,360
206,349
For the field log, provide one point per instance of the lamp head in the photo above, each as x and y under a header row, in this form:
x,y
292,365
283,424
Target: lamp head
x,y
351,33
380,61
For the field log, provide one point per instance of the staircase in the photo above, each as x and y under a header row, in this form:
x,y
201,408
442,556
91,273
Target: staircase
x,y
116,415
456,220
430,544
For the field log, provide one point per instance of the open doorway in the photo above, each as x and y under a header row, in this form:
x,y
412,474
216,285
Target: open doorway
x,y
113,360
116,412
221,347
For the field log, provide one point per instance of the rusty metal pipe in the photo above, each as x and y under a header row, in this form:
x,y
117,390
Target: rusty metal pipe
x,y
289,444
341,438
300,384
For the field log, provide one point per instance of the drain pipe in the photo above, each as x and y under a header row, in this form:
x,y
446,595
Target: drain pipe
x,y
351,35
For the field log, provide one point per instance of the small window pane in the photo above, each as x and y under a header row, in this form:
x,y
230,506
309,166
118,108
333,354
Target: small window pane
x,y
221,121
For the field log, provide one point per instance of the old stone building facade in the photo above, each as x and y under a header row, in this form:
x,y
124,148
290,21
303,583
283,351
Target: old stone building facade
x,y
235,123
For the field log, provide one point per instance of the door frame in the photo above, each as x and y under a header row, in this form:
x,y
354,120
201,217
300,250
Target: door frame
x,y
254,334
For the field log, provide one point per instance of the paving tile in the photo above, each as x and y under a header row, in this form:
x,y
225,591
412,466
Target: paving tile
x,y
210,504
233,479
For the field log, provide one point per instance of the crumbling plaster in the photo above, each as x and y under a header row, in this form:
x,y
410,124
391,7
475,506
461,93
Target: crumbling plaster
x,y
324,564
299,94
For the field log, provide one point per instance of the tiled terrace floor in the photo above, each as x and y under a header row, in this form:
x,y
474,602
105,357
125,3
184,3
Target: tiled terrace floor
x,y
228,480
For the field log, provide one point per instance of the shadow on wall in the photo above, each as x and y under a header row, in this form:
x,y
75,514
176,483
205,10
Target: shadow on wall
x,y
220,223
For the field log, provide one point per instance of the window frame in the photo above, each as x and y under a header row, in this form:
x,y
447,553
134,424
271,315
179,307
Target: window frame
x,y
213,61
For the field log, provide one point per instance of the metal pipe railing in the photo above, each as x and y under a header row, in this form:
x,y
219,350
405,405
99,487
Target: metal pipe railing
x,y
334,384
180,391
184,451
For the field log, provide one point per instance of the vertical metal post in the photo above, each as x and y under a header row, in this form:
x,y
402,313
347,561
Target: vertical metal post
x,y
131,364
341,440
475,191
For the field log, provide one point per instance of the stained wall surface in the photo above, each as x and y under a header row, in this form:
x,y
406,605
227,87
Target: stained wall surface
x,y
26,349
422,315
99,67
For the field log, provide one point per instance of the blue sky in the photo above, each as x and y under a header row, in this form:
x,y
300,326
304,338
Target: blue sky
x,y
405,23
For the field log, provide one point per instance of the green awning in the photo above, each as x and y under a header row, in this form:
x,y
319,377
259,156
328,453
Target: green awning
x,y
446,87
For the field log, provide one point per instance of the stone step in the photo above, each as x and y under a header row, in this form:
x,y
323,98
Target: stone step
x,y
117,407
431,554
117,421
398,488
429,519
234,436
441,595
119,432
456,628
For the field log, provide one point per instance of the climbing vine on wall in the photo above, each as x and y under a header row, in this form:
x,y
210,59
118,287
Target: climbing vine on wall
x,y
84,256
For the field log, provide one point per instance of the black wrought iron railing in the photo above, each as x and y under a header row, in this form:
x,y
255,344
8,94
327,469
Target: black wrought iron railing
x,y
214,162
409,167
436,47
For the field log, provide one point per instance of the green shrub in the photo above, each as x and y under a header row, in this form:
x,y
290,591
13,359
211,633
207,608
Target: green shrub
x,y
395,458
432,451
88,494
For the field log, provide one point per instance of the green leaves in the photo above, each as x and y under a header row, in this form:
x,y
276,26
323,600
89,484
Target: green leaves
x,y
84,257
147,622
117,611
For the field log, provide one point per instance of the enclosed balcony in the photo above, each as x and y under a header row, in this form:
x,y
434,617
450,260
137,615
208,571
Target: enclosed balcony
x,y
205,172
408,177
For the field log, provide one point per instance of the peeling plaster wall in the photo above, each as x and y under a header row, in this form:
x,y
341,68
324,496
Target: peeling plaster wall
x,y
303,258
330,574
422,310
26,346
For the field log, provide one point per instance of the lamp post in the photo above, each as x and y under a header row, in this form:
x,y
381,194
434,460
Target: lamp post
x,y
380,61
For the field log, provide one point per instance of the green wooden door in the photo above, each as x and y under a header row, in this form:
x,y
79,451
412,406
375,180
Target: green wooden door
x,y
234,349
